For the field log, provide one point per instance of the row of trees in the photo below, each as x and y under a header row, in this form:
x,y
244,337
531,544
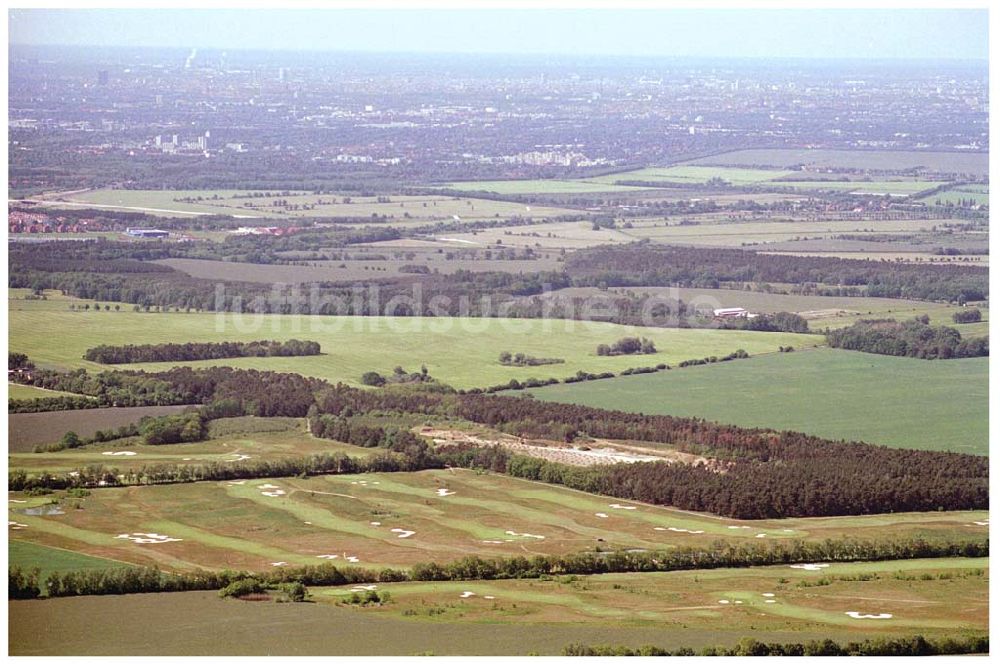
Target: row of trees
x,y
522,360
904,646
120,581
199,351
911,338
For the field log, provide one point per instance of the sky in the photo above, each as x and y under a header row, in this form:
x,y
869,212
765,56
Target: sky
x,y
735,33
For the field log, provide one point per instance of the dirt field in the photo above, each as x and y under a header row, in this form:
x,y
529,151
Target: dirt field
x,y
603,452
25,430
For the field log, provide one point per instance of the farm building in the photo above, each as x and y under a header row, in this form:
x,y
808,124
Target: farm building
x,y
146,232
731,312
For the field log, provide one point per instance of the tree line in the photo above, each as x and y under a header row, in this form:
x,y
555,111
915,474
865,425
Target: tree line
x,y
903,646
701,267
190,351
24,584
911,338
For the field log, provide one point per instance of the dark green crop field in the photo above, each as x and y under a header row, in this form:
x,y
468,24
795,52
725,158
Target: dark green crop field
x,y
894,401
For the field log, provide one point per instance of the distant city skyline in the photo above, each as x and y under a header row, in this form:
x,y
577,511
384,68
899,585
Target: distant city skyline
x,y
716,33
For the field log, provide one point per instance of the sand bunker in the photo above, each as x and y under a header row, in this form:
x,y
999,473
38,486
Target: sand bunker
x,y
767,594
328,556
875,616
403,533
737,527
148,538
445,492
352,559
811,567
759,535
513,534
680,530
123,453
982,523
359,588
273,494
467,593
14,525
616,506
235,483
723,601
601,515
186,459
280,563
374,523
12,500
492,541
239,457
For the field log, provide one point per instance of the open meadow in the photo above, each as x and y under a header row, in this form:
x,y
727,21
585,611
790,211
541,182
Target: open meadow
x,y
400,519
895,401
26,430
462,352
300,204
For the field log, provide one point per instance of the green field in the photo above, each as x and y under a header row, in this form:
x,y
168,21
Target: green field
x,y
694,599
404,208
238,525
692,175
763,232
542,187
898,188
894,401
978,194
882,160
47,559
933,598
15,391
459,351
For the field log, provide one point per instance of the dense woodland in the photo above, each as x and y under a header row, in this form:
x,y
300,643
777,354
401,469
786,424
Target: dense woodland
x,y
199,351
911,338
648,265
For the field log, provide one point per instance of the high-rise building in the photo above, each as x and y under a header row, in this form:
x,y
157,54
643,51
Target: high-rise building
x,y
102,77
282,74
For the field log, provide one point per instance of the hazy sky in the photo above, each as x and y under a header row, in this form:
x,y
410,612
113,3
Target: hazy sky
x,y
852,33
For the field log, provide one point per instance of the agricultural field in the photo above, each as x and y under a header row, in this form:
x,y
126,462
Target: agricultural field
x,y
400,519
230,441
978,193
761,233
351,270
530,616
525,187
236,203
459,351
884,187
976,163
693,175
26,430
895,401
551,235
821,311
15,391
